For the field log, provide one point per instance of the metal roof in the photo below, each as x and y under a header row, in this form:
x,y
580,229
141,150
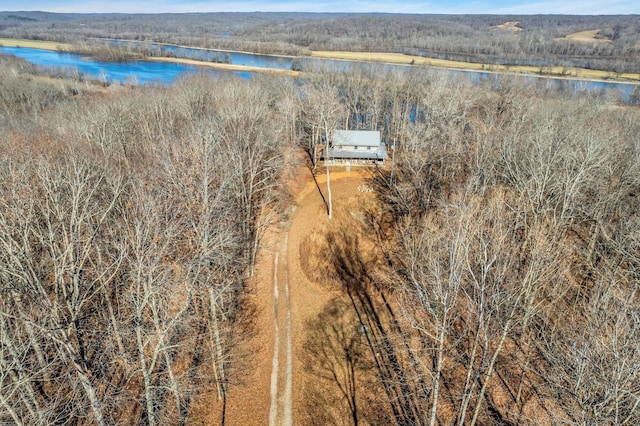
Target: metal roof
x,y
359,154
357,137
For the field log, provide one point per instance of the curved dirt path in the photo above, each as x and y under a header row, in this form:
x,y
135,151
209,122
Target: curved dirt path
x,y
272,392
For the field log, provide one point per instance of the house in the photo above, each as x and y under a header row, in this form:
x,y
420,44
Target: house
x,y
356,147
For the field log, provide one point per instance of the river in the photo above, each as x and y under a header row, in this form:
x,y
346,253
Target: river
x,y
144,72
141,72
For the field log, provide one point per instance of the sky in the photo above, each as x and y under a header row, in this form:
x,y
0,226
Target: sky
x,y
522,7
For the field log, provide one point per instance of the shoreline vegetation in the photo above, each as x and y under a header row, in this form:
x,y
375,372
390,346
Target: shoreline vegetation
x,y
555,71
378,57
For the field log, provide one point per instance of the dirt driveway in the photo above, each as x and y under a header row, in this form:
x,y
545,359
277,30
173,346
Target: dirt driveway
x,y
273,391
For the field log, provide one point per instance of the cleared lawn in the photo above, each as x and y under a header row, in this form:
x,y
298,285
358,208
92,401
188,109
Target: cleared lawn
x,y
399,58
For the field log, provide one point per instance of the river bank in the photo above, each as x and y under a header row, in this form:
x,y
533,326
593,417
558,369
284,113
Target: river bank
x,y
224,66
36,44
69,48
555,72
399,59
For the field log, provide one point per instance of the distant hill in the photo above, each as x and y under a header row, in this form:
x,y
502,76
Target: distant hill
x,y
488,39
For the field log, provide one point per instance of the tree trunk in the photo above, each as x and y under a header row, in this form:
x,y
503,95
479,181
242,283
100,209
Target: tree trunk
x,y
148,394
436,378
216,342
326,161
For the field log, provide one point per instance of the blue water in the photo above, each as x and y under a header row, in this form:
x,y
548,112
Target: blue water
x,y
213,55
570,86
144,72
141,72
236,58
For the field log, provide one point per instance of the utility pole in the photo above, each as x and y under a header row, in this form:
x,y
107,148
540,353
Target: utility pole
x,y
326,162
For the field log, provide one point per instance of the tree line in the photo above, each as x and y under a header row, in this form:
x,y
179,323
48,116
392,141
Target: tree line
x,y
472,38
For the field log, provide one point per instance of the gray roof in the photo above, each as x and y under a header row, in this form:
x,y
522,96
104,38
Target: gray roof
x,y
356,137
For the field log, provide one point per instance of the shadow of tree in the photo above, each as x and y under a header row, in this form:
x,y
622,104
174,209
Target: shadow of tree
x,y
336,352
404,388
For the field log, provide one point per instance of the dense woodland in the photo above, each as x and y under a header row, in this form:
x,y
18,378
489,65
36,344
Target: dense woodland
x,y
472,38
504,289
129,224
502,286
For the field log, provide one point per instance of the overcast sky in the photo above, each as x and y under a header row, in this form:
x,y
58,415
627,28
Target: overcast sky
x,y
571,7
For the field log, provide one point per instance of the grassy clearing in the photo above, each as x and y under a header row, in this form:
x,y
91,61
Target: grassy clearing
x,y
510,26
589,36
399,58
34,44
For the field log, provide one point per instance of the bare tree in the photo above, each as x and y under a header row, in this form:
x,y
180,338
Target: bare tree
x,y
52,261
433,267
322,110
253,144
